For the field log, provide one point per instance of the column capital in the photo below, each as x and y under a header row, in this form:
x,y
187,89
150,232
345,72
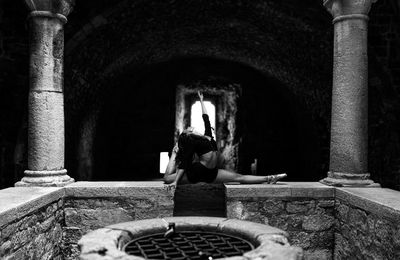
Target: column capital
x,y
348,7
51,8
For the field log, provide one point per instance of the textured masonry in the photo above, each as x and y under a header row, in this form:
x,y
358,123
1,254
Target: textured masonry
x,y
304,210
364,228
328,222
93,205
34,230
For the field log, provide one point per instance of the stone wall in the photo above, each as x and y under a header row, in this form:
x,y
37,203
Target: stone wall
x,y
366,228
304,210
93,205
327,222
36,236
32,230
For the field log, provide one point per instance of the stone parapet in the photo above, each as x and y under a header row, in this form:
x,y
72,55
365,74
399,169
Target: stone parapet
x,y
381,202
93,205
282,189
304,210
367,224
19,202
327,222
30,223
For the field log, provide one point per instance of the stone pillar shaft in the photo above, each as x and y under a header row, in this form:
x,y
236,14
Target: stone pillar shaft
x,y
349,123
46,102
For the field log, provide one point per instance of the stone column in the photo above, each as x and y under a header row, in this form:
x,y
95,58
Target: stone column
x,y
349,123
46,98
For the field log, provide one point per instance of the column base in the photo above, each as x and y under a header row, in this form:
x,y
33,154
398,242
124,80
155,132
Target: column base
x,y
340,179
45,179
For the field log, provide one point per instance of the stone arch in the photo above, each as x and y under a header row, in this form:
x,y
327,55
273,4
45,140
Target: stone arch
x,y
248,36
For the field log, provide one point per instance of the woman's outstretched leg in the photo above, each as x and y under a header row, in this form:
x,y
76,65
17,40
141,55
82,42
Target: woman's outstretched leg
x,y
228,176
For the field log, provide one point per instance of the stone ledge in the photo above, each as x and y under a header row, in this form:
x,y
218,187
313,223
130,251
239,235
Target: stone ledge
x,y
85,189
380,201
281,190
18,202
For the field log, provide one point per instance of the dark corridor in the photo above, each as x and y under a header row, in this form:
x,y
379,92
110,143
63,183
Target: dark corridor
x,y
137,121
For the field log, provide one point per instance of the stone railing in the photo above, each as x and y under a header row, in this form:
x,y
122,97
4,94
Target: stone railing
x,y
304,210
368,223
327,222
31,221
46,223
92,205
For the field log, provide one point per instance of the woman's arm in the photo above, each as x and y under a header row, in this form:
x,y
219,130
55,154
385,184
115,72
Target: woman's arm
x,y
174,178
203,107
207,125
179,174
171,167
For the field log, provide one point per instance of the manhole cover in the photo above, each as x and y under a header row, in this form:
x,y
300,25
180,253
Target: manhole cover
x,y
187,245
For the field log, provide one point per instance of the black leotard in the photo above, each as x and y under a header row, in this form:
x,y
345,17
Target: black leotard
x,y
195,171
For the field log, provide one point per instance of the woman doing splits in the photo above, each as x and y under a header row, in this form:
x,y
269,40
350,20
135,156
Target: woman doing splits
x,y
204,168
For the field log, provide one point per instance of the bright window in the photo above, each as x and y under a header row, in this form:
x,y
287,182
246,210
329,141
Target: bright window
x,y
196,119
164,159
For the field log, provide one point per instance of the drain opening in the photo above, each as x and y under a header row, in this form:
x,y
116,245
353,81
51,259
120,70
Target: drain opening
x,y
187,245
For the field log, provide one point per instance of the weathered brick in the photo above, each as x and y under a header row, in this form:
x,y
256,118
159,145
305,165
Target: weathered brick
x,y
9,230
16,255
5,247
299,206
235,209
318,254
51,209
358,218
29,221
60,203
324,239
22,237
318,222
301,239
90,219
279,221
371,224
383,232
326,203
71,234
272,206
295,222
72,218
47,224
342,212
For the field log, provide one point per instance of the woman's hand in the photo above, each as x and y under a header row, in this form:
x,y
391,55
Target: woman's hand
x,y
200,95
175,150
171,186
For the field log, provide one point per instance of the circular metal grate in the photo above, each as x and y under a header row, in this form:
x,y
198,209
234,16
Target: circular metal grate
x,y
187,245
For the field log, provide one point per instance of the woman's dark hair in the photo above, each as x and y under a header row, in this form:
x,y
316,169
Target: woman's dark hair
x,y
186,144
